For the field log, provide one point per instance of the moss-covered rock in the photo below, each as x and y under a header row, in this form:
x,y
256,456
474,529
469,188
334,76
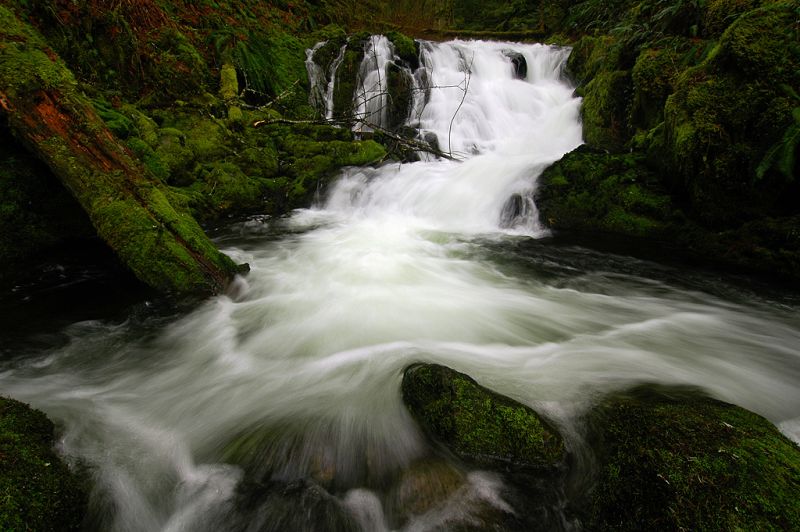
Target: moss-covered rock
x,y
589,190
673,459
605,109
727,112
405,48
37,489
478,425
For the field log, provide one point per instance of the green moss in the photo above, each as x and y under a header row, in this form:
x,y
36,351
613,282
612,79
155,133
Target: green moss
x,y
37,489
145,128
653,75
673,459
479,426
228,189
116,121
720,14
715,128
177,69
345,87
591,54
228,84
593,191
404,47
25,67
605,110
175,156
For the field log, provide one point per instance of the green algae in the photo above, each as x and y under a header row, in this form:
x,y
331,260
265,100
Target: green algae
x,y
476,424
37,489
673,459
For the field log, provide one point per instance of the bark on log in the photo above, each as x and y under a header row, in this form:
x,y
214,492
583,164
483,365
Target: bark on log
x,y
129,208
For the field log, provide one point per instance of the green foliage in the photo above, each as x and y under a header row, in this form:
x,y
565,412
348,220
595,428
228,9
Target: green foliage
x,y
269,63
783,154
478,425
37,489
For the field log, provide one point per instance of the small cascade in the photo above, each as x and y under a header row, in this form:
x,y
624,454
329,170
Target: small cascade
x,y
372,99
332,82
316,78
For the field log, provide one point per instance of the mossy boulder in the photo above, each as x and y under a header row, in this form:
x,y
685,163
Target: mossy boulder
x,y
605,109
37,489
670,458
591,191
726,113
477,425
405,48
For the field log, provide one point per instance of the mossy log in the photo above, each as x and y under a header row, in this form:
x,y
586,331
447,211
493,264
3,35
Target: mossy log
x,y
46,111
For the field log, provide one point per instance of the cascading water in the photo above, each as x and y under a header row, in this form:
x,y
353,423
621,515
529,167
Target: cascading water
x,y
372,98
316,78
207,421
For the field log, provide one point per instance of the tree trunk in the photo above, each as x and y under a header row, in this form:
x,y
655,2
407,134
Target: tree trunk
x,y
128,207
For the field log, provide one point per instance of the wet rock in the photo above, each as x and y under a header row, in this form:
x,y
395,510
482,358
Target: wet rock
x,y
477,425
425,485
671,458
399,87
292,506
519,63
512,211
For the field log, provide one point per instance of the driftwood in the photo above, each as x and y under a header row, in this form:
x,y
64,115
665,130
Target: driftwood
x,y
128,207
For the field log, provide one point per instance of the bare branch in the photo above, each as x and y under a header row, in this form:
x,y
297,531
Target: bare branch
x,y
467,77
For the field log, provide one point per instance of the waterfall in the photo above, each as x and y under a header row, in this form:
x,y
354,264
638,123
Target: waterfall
x,y
278,405
505,130
371,98
316,78
332,81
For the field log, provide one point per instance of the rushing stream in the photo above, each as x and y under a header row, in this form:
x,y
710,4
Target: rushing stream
x,y
295,373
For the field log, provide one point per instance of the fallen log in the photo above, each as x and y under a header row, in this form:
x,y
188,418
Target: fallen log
x,y
128,207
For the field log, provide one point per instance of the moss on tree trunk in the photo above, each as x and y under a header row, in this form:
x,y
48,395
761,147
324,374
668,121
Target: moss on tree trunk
x,y
164,248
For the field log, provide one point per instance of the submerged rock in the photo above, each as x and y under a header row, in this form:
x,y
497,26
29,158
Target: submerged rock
x,y
671,458
37,489
298,505
425,485
479,426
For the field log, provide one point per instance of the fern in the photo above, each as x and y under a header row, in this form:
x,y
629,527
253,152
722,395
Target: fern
x,y
782,155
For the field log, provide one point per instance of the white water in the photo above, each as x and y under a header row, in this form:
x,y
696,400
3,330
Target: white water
x,y
316,79
302,362
371,99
